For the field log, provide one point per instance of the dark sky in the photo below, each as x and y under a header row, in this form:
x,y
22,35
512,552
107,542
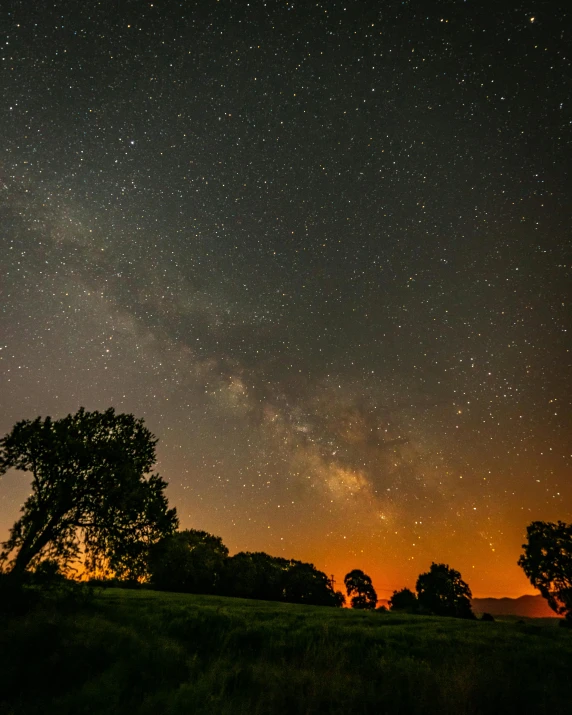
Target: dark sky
x,y
322,248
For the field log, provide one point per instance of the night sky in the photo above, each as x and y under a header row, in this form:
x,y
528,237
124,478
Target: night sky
x,y
322,248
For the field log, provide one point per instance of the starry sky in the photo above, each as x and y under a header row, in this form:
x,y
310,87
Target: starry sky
x,y
322,248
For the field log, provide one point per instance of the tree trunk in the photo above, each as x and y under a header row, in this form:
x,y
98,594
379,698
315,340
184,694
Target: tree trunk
x,y
30,548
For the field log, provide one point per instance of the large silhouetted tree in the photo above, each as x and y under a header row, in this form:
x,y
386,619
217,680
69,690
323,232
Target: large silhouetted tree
x,y
547,561
443,592
360,590
190,561
92,492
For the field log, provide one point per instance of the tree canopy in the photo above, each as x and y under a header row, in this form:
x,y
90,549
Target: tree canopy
x,y
189,561
404,600
304,583
547,561
272,578
92,492
443,592
360,588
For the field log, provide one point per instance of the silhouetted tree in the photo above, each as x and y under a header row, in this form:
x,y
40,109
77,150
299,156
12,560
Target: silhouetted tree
x,y
360,588
442,592
404,600
92,490
303,583
487,617
189,561
254,575
547,561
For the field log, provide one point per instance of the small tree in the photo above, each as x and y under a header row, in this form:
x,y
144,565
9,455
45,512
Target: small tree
x,y
547,561
189,561
443,592
360,588
92,492
404,600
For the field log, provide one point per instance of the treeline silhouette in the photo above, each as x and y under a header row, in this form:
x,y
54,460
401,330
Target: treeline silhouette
x,y
95,498
194,561
197,562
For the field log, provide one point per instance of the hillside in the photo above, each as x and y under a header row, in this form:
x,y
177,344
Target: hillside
x,y
145,652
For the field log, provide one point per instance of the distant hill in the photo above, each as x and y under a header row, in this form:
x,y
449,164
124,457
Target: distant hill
x,y
529,606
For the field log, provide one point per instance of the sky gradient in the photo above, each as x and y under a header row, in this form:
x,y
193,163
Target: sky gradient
x,y
323,249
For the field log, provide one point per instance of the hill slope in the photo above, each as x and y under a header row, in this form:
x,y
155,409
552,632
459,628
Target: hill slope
x,y
145,652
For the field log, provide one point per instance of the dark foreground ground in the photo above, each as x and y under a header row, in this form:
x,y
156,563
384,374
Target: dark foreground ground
x,y
156,653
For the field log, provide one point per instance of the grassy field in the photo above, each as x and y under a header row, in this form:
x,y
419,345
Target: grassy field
x,y
158,653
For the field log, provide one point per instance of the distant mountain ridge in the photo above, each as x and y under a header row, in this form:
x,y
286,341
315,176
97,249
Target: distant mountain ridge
x,y
528,606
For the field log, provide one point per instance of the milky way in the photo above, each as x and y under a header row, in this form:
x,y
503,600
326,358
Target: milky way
x,y
323,250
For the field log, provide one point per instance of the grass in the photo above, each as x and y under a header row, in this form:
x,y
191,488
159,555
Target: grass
x,y
145,652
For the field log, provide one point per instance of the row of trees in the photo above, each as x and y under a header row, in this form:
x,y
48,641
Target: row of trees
x,y
197,562
441,591
94,496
